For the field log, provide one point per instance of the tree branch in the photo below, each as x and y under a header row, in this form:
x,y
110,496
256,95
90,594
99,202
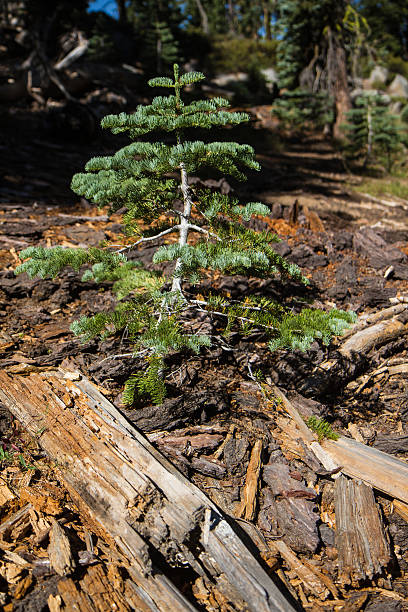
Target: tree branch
x,y
148,239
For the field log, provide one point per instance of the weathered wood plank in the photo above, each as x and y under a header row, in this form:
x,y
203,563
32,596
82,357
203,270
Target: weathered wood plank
x,y
380,470
134,496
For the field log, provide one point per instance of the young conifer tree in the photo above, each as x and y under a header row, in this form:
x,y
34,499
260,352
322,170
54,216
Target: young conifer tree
x,y
150,180
373,132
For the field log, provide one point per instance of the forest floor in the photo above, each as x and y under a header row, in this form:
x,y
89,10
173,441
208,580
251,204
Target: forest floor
x,y
353,247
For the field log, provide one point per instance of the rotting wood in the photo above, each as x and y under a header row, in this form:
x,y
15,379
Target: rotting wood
x,y
310,578
374,467
362,543
10,523
128,491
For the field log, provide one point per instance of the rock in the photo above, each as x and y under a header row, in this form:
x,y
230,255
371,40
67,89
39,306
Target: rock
x,y
368,243
355,93
399,87
379,74
271,78
230,77
270,75
396,107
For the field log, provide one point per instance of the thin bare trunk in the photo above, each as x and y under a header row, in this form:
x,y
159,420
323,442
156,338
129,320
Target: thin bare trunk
x,y
121,4
203,16
267,21
370,133
184,225
231,17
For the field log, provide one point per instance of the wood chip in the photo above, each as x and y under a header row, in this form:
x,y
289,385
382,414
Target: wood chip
x,y
54,603
308,576
6,495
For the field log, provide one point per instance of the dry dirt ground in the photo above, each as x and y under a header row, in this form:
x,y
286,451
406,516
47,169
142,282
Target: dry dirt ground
x,y
353,248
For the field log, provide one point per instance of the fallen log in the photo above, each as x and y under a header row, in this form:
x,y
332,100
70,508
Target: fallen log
x,y
135,498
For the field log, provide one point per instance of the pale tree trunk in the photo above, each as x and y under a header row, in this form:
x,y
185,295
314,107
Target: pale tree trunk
x,y
231,17
203,16
184,224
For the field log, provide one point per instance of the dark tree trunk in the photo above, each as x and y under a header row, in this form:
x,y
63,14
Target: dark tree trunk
x,y
121,4
267,20
337,68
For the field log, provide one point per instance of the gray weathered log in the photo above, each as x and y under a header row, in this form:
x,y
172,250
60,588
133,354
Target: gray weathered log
x,y
134,496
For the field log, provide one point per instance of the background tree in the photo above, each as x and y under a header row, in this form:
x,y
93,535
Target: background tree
x,y
313,42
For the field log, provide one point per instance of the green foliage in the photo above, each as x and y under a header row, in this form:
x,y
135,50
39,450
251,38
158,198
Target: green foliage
x,y
373,132
302,26
397,65
240,54
322,428
300,109
147,383
388,22
48,263
157,319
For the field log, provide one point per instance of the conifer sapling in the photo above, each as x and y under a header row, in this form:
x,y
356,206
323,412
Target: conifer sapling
x,y
373,132
196,229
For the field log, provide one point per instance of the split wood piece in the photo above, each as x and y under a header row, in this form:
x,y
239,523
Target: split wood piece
x,y
310,578
7,526
6,495
401,509
305,433
130,494
374,467
362,543
247,507
59,550
373,318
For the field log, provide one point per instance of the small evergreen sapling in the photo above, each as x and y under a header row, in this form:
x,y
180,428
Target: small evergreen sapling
x,y
373,132
149,180
300,109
